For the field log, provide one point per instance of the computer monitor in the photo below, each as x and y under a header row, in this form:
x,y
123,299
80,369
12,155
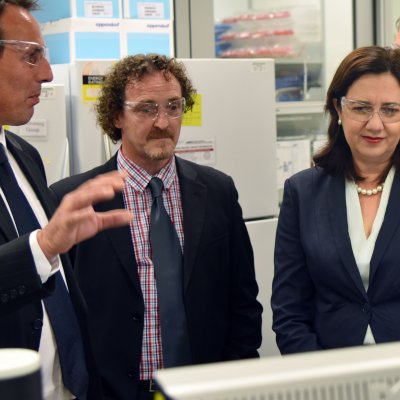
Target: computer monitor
x,y
357,373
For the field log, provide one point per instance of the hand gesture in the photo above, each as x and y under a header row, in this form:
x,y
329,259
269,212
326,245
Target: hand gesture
x,y
75,219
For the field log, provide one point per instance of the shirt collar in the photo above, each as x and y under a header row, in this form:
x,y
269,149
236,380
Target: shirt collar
x,y
139,179
2,137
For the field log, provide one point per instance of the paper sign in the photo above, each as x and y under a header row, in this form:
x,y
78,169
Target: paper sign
x,y
200,151
193,117
151,10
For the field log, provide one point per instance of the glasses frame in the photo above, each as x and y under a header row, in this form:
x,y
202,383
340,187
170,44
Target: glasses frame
x,y
344,100
132,104
18,46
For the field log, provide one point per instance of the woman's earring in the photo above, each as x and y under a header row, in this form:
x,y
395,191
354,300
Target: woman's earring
x,y
339,121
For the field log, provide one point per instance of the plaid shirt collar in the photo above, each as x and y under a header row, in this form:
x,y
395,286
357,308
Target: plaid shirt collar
x,y
139,179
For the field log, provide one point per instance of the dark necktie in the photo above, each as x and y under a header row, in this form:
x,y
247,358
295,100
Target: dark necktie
x,y
168,268
58,305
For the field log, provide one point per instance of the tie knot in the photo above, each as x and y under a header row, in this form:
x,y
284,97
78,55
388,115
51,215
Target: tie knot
x,y
156,186
3,155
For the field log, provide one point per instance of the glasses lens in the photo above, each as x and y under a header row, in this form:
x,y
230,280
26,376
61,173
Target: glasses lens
x,y
363,112
390,113
174,109
142,111
32,53
145,110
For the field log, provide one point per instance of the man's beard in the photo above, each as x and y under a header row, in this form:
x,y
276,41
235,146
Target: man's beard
x,y
165,152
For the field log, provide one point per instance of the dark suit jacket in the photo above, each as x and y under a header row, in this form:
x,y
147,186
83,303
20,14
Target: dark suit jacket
x,y
318,298
220,289
21,289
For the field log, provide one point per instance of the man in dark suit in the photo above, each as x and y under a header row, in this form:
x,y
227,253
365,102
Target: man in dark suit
x,y
141,103
29,259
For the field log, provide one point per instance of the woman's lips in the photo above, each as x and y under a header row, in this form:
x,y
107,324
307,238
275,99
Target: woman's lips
x,y
372,139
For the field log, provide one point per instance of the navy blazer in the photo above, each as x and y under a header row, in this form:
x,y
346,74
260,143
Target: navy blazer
x,y
21,289
220,290
318,298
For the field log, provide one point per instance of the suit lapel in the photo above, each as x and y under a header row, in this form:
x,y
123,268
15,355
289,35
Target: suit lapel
x,y
120,238
389,226
33,174
6,223
193,196
338,219
36,180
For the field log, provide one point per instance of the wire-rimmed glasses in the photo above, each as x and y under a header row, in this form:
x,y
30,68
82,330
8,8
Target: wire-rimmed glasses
x,y
362,111
32,52
150,111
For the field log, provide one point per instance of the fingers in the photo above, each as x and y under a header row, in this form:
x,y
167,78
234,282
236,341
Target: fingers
x,y
101,188
75,219
113,219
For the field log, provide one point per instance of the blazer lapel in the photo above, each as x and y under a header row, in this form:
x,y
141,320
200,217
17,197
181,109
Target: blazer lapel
x,y
389,226
193,196
338,218
33,174
36,180
6,223
120,238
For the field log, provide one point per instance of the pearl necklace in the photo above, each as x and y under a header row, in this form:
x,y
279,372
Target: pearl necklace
x,y
369,192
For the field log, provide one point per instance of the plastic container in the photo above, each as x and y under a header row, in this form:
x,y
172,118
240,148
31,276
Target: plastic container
x,y
20,375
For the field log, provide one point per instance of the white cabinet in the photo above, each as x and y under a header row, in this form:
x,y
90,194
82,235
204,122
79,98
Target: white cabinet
x,y
301,131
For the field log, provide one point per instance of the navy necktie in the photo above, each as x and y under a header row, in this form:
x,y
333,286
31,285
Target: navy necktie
x,y
168,268
58,305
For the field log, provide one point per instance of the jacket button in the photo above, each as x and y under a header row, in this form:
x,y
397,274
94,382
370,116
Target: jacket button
x,y
131,375
4,297
136,317
366,308
13,294
37,324
21,289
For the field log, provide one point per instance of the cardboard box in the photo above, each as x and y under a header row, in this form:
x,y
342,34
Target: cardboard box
x,y
52,10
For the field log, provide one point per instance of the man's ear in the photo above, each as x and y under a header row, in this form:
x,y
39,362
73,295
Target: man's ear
x,y
117,120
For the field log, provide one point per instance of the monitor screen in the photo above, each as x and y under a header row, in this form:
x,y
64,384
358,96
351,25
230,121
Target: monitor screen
x,y
357,373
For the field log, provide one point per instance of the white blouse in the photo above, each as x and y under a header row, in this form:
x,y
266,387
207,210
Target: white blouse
x,y
362,246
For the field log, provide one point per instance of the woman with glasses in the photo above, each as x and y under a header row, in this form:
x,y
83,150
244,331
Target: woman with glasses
x,y
337,251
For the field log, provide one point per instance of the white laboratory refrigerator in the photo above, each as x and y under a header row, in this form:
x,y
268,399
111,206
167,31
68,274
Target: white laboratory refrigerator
x,y
233,128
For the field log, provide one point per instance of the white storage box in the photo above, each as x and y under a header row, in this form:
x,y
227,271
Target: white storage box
x,y
51,10
153,9
147,36
72,39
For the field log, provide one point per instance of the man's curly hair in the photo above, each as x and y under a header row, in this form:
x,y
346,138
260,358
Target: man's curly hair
x,y
132,69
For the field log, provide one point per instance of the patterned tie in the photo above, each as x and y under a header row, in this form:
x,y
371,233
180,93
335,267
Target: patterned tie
x,y
168,267
58,305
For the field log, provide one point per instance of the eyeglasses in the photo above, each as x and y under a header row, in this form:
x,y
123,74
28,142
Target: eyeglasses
x,y
145,111
32,52
363,111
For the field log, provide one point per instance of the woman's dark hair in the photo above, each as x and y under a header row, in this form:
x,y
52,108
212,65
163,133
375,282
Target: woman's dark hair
x,y
335,157
129,70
